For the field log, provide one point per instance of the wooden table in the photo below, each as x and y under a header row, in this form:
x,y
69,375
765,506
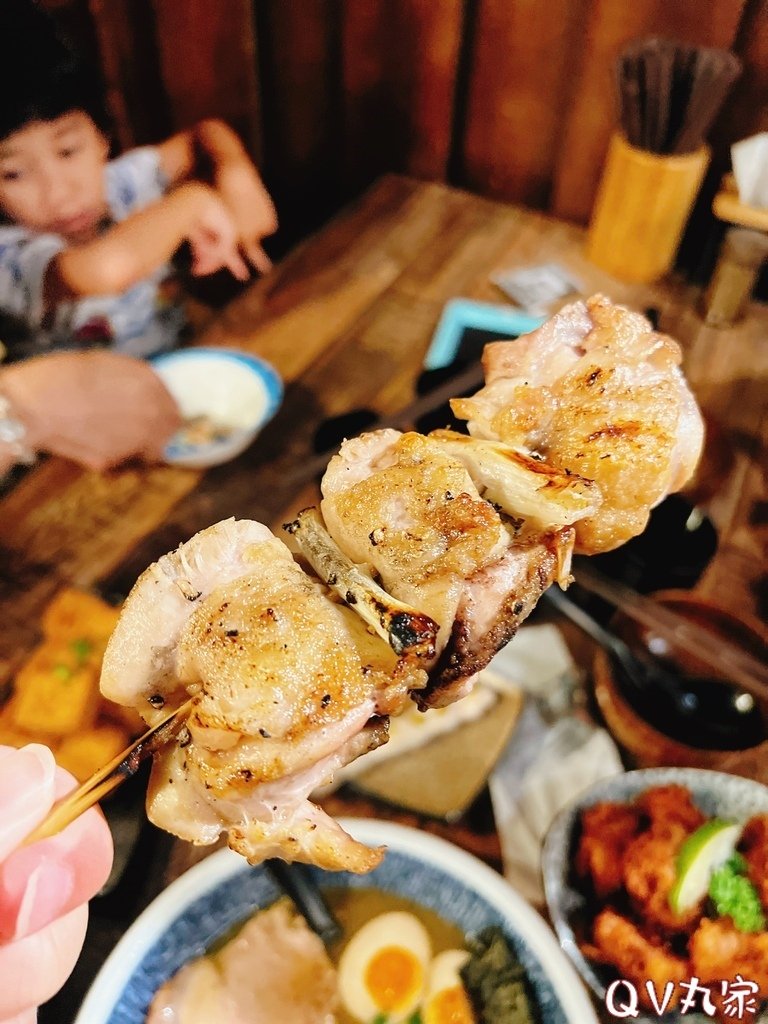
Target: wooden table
x,y
346,319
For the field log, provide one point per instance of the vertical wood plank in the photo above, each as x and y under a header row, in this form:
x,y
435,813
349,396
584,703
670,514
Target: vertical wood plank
x,y
300,79
208,64
520,76
130,65
746,110
592,115
399,67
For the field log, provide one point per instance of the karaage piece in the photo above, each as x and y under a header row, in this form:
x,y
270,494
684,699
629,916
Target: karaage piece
x,y
670,805
718,950
754,848
606,831
637,958
597,393
650,872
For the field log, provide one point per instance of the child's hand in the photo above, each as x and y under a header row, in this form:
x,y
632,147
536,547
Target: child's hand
x,y
241,188
213,236
97,408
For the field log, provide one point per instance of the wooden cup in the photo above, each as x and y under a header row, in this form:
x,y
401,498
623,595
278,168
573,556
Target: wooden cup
x,y
641,209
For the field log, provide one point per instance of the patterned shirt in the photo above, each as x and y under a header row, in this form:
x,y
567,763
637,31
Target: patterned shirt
x,y
141,321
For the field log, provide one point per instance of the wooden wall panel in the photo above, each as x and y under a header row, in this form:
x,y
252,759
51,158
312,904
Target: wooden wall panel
x,y
746,111
300,83
593,115
208,63
399,60
131,70
519,86
510,98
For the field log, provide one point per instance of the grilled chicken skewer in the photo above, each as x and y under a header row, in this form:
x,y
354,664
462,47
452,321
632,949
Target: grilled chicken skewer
x,y
434,550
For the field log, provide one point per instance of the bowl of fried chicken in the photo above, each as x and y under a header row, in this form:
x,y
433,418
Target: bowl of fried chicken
x,y
657,885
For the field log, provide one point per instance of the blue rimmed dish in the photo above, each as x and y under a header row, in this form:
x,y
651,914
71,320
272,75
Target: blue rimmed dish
x,y
225,398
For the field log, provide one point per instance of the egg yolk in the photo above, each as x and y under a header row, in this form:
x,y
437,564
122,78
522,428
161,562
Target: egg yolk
x,y
392,976
451,1006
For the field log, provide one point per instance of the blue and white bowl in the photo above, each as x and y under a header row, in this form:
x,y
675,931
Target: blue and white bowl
x,y
717,794
220,892
237,391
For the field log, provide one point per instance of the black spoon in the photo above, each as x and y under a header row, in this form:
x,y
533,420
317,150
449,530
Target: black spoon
x,y
638,672
296,882
705,713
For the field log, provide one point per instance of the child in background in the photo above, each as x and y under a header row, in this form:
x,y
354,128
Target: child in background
x,y
84,255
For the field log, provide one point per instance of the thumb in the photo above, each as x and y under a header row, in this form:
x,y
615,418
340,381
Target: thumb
x,y
27,779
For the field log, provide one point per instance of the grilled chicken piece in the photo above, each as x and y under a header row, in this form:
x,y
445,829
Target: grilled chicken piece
x,y
596,393
406,507
438,547
289,686
545,497
275,970
718,950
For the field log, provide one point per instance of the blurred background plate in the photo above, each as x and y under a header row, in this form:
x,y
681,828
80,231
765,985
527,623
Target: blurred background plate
x,y
444,777
225,397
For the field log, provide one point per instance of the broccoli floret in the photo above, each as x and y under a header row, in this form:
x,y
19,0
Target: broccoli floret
x,y
735,896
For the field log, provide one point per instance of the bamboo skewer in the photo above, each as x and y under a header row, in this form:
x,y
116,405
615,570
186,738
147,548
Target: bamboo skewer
x,y
108,778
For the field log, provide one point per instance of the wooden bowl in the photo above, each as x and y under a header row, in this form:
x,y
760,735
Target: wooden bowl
x,y
644,743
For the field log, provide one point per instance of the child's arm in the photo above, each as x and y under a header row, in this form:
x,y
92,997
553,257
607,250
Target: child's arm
x,y
211,150
133,249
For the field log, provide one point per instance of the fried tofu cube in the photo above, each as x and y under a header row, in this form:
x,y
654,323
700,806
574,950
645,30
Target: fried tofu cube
x,y
86,752
74,613
54,695
10,736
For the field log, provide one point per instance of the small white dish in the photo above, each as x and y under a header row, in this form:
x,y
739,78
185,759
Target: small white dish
x,y
221,891
225,398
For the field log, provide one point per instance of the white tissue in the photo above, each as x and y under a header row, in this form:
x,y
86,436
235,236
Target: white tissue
x,y
572,755
750,169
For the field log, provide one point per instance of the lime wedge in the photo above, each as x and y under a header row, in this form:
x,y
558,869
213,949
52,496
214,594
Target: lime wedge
x,y
703,851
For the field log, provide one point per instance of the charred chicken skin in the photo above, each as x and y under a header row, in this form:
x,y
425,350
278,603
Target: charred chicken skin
x,y
425,556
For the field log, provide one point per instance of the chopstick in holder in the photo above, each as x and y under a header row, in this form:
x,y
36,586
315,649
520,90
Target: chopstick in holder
x,y
742,668
111,775
716,72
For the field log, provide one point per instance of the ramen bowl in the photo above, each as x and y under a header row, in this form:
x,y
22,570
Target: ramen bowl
x,y
215,896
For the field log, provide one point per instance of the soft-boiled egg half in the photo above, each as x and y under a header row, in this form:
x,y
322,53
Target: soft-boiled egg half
x,y
446,1000
383,969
